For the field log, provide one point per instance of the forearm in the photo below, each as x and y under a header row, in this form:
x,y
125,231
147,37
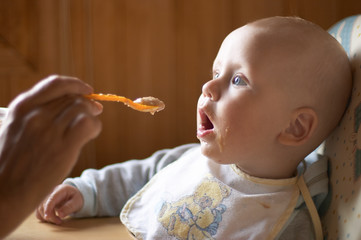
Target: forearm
x,y
106,191
15,205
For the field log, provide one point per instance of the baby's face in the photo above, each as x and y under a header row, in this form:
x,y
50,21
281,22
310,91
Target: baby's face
x,y
242,109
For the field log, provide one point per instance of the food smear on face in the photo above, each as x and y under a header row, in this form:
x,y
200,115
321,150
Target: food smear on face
x,y
144,104
221,139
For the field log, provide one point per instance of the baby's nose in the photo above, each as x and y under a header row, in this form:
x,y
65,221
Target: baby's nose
x,y
211,90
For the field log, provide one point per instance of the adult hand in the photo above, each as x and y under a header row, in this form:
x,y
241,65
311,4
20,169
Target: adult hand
x,y
40,142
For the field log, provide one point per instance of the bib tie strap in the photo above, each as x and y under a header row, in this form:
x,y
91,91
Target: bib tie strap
x,y
311,207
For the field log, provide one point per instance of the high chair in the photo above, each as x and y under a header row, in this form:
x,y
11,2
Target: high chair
x,y
341,211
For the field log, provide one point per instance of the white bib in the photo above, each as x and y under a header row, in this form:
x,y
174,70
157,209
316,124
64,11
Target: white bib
x,y
195,198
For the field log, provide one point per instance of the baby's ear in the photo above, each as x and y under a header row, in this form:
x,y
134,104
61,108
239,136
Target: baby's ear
x,y
301,127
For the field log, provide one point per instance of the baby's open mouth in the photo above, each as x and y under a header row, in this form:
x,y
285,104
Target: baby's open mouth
x,y
205,122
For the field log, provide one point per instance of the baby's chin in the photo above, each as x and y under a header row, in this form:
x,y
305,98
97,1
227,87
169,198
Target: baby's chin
x,y
213,153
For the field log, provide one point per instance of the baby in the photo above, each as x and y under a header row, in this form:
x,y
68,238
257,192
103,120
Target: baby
x,y
279,87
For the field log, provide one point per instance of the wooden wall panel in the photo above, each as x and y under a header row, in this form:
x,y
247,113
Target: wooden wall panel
x,y
143,64
162,48
17,57
245,11
200,30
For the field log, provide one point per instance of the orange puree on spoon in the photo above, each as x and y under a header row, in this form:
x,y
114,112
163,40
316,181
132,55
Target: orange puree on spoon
x,y
144,104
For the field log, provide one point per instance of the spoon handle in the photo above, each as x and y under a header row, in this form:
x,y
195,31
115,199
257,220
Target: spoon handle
x,y
115,98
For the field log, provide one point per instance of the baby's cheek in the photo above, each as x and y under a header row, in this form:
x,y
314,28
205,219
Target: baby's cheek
x,y
222,138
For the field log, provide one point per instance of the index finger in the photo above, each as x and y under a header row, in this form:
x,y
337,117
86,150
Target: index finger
x,y
49,89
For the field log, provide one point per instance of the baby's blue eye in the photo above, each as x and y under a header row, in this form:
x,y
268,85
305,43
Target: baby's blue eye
x,y
216,75
239,81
